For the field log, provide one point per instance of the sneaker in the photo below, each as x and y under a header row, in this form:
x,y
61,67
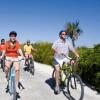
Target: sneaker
x,y
57,90
17,95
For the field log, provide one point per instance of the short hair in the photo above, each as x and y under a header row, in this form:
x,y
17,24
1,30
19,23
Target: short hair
x,y
61,32
13,33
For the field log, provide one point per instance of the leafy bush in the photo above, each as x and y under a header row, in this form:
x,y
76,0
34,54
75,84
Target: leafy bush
x,y
44,52
89,63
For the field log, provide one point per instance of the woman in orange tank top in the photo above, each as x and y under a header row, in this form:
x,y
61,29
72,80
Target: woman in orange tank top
x,y
11,51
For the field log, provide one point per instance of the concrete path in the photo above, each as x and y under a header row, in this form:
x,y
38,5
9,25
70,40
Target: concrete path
x,y
39,86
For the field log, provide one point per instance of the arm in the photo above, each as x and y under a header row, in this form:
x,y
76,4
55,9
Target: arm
x,y
73,50
33,49
76,53
24,48
56,48
3,54
20,52
3,51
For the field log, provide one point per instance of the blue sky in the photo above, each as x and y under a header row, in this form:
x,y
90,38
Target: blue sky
x,y
41,20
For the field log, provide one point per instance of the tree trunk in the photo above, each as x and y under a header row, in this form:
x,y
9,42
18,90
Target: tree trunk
x,y
73,42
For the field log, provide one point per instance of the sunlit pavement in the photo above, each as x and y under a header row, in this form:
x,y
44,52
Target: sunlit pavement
x,y
39,87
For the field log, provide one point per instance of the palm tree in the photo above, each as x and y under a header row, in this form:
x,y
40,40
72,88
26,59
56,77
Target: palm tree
x,y
73,30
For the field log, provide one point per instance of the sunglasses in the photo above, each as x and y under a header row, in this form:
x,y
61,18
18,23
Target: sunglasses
x,y
63,34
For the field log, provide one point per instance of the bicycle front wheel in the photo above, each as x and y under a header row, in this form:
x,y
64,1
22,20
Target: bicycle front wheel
x,y
14,89
75,87
32,69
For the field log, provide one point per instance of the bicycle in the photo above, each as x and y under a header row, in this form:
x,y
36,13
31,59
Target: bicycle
x,y
30,65
71,80
11,87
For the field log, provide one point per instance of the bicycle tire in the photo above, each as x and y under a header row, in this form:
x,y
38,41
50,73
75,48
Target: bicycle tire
x,y
32,70
75,86
31,67
14,89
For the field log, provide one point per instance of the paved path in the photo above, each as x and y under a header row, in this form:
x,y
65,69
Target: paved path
x,y
38,87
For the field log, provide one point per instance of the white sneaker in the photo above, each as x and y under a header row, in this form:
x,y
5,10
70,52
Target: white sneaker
x,y
57,90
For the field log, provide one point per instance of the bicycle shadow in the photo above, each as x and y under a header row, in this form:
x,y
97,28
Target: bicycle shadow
x,y
20,86
51,83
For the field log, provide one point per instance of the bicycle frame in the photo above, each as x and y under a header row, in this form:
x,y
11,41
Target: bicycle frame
x,y
30,65
71,79
11,78
11,81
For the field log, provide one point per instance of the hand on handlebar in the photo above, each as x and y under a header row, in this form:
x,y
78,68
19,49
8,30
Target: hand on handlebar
x,y
1,57
22,58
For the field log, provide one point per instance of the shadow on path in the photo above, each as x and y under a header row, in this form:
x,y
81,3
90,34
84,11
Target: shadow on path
x,y
51,83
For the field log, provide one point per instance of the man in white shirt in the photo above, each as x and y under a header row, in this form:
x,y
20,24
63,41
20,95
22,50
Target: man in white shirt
x,y
61,48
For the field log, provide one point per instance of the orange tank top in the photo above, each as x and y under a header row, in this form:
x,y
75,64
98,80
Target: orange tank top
x,y
12,49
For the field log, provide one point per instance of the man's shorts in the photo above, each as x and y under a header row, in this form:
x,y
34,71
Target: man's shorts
x,y
60,61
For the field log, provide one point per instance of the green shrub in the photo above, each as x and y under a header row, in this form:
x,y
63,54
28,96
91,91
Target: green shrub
x,y
97,81
44,52
89,63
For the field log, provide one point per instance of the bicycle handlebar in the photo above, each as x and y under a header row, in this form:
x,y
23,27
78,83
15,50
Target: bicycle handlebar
x,y
76,59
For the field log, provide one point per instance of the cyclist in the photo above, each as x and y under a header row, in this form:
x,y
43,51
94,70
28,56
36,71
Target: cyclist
x,y
28,51
11,51
2,45
61,48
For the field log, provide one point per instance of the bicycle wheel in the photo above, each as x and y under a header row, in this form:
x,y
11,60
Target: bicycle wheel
x,y
14,89
32,70
75,87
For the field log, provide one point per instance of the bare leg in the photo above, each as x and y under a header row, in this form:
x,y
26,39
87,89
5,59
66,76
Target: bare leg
x,y
57,77
7,67
17,71
57,74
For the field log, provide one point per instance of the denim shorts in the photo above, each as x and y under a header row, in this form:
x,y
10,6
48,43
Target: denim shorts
x,y
60,61
55,62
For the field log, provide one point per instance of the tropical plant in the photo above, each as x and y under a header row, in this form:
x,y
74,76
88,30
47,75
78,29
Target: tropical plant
x,y
73,30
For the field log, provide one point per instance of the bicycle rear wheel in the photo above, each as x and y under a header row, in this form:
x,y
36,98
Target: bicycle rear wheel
x,y
75,87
